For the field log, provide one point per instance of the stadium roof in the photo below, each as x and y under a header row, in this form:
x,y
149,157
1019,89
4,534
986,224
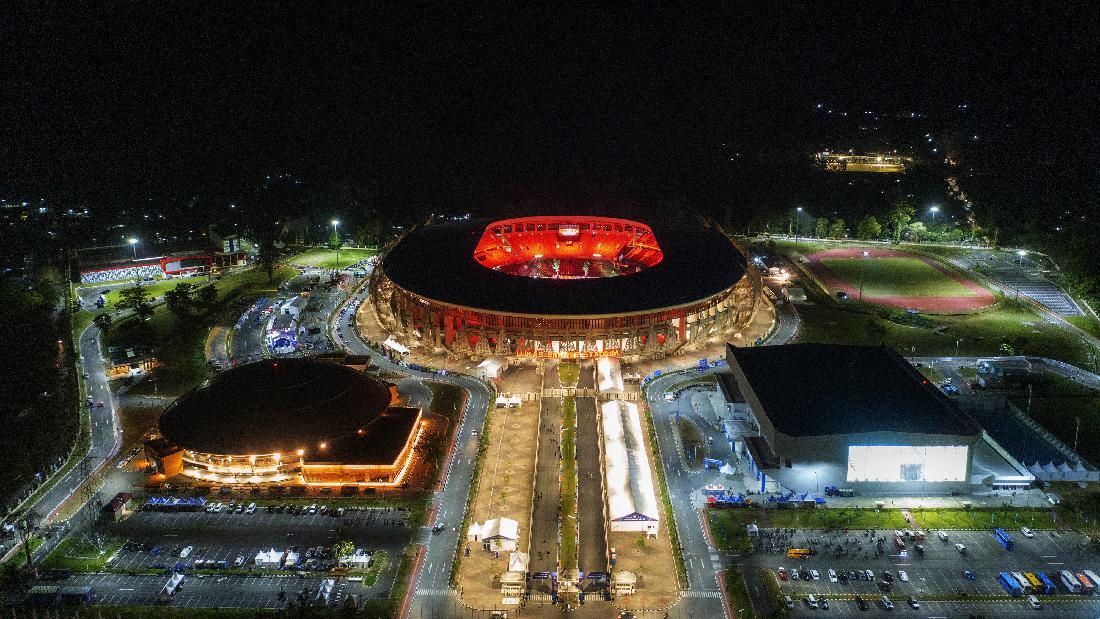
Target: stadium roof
x,y
630,491
437,262
822,389
279,407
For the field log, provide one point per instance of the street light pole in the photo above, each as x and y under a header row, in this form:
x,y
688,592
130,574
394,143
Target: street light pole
x,y
934,210
337,235
133,245
1075,432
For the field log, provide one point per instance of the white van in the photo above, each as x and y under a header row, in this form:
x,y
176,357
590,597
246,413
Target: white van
x,y
788,602
1034,602
811,601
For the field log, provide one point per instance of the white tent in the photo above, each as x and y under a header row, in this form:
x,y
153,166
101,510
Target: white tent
x,y
324,590
269,559
609,375
501,534
360,558
631,499
395,346
727,469
473,534
491,368
517,562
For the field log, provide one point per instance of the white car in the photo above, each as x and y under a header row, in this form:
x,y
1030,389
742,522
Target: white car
x,y
814,574
811,601
186,552
887,604
902,576
942,536
832,575
960,548
1027,532
251,509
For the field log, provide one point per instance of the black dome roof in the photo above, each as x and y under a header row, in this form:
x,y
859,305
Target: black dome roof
x,y
437,262
275,406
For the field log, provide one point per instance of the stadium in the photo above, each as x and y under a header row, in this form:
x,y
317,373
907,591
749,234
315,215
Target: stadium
x,y
563,287
293,421
859,417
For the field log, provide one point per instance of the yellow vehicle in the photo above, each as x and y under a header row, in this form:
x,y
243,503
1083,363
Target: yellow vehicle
x,y
799,553
1036,584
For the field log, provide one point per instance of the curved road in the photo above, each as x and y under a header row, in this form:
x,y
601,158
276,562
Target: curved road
x,y
430,580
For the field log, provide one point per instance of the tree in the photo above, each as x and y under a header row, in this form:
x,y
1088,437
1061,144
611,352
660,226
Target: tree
x,y
343,549
837,228
136,299
917,231
868,229
268,257
208,296
821,227
103,321
334,239
181,300
901,213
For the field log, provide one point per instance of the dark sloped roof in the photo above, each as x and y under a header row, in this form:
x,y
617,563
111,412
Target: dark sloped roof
x,y
437,262
276,406
380,443
823,389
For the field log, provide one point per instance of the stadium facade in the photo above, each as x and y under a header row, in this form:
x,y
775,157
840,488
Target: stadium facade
x,y
295,420
858,417
563,287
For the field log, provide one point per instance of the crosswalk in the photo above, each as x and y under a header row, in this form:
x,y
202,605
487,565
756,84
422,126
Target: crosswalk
x,y
436,592
702,593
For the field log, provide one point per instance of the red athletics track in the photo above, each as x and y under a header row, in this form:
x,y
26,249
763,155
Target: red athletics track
x,y
936,304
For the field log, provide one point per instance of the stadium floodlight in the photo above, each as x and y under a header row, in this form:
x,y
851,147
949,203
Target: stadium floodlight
x,y
133,245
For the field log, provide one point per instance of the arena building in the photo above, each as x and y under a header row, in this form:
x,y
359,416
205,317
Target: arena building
x,y
563,287
293,420
856,417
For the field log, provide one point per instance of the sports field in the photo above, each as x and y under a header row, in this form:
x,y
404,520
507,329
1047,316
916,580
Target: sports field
x,y
326,258
897,279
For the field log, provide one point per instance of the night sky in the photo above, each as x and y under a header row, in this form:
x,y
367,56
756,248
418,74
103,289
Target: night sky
x,y
477,106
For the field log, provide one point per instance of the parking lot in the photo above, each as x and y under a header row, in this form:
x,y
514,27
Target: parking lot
x,y
939,571
213,591
157,540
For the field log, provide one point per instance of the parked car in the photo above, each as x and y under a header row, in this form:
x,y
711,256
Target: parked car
x,y
961,548
186,552
861,603
902,576
832,575
913,603
886,603
1027,532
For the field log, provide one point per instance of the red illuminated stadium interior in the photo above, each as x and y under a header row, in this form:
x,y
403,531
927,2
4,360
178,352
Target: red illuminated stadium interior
x,y
568,247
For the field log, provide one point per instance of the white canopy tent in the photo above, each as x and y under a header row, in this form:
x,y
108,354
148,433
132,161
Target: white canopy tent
x,y
269,559
395,346
609,375
501,533
631,497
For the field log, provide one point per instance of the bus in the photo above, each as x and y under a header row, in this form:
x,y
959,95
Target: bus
x,y
1033,580
1048,584
1069,581
799,553
1009,583
1024,584
1087,586
1003,538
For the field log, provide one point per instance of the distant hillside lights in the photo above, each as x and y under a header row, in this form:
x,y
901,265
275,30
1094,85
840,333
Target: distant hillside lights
x,y
871,162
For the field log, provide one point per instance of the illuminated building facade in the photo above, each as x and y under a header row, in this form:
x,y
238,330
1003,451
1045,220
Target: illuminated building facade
x,y
563,287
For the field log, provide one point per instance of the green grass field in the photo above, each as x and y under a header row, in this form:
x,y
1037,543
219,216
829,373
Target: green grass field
x,y
567,554
569,373
978,334
80,555
1057,404
895,277
1007,518
326,258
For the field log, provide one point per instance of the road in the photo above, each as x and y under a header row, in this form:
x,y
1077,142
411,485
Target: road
x,y
430,580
